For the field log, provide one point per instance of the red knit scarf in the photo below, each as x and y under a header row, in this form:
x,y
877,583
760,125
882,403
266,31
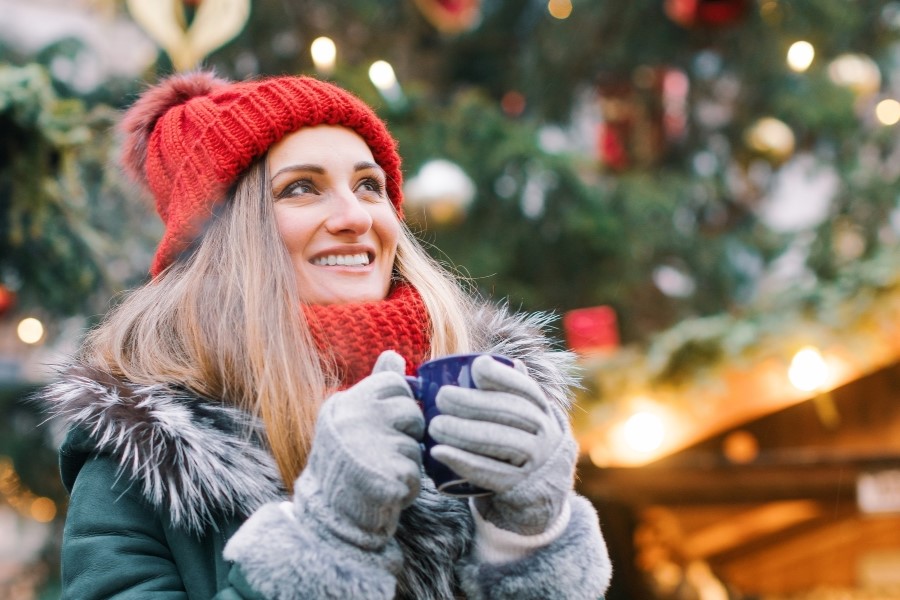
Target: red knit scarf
x,y
353,335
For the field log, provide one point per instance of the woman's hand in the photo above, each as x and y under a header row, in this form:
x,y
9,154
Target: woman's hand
x,y
364,466
506,437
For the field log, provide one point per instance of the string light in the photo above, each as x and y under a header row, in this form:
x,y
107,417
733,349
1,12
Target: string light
x,y
382,76
19,497
800,56
644,431
30,330
559,9
808,371
888,112
324,53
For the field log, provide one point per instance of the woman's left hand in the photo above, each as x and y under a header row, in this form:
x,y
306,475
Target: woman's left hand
x,y
506,437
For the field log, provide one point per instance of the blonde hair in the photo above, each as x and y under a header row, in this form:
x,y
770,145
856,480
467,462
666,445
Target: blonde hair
x,y
225,322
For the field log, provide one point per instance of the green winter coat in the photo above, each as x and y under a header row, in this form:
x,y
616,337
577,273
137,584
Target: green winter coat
x,y
173,498
118,546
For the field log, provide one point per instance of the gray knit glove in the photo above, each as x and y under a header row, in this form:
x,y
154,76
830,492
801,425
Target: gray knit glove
x,y
506,437
364,465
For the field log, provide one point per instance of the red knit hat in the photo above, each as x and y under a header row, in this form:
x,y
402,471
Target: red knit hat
x,y
188,139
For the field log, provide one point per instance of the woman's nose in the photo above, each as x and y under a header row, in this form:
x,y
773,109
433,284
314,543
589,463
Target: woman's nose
x,y
348,215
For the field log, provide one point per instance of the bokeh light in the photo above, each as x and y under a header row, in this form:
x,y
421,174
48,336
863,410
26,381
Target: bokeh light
x,y
808,371
800,56
324,54
644,431
30,330
559,9
888,112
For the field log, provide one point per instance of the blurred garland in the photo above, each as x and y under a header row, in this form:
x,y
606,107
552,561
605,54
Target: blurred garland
x,y
62,217
862,299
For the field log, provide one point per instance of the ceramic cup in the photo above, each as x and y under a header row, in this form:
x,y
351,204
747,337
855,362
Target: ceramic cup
x,y
431,375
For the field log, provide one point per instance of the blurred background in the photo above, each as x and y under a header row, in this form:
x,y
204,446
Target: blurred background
x,y
705,191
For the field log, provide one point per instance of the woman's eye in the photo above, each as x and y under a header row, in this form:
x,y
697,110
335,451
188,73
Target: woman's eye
x,y
301,186
371,184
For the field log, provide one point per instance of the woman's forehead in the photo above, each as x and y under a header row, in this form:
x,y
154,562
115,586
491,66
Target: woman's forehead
x,y
322,143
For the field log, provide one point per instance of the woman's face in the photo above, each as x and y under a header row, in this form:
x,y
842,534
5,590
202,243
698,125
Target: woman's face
x,y
334,215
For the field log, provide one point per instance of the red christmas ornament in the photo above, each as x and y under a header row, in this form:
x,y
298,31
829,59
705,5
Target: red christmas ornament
x,y
7,300
451,16
611,146
591,330
643,116
706,13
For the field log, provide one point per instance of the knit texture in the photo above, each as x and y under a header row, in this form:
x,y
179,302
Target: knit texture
x,y
354,335
188,139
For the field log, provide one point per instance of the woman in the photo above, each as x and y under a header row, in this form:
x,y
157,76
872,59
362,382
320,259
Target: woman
x,y
240,426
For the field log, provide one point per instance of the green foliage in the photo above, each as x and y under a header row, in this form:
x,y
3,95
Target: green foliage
x,y
598,235
61,214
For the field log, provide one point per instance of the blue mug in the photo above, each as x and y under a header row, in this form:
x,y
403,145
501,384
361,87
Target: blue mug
x,y
431,375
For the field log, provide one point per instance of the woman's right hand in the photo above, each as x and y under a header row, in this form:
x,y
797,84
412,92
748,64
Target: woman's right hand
x,y
364,466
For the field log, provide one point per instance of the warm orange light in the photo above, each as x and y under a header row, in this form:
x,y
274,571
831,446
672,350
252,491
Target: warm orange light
x,y
740,447
560,9
644,432
808,371
43,510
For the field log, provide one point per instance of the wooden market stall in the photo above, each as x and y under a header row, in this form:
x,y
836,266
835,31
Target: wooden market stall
x,y
770,472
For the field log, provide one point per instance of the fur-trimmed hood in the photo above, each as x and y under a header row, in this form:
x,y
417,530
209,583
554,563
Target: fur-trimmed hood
x,y
192,456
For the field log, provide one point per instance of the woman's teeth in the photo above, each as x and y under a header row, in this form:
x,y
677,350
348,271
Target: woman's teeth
x,y
347,260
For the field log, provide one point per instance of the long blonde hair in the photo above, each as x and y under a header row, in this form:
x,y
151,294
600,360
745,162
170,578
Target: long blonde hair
x,y
224,321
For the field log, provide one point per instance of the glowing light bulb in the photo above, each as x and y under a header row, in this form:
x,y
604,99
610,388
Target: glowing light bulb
x,y
888,112
43,510
381,73
382,76
644,431
800,56
559,9
808,371
30,330
324,53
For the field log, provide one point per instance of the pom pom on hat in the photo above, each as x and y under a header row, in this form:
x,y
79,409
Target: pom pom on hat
x,y
137,124
190,137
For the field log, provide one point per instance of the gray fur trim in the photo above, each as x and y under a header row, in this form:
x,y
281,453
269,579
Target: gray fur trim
x,y
192,458
524,336
284,559
575,566
434,534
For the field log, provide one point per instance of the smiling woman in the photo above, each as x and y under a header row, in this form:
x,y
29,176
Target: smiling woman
x,y
240,426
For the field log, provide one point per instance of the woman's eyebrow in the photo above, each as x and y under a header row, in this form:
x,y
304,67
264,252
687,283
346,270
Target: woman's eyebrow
x,y
363,165
360,166
302,167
